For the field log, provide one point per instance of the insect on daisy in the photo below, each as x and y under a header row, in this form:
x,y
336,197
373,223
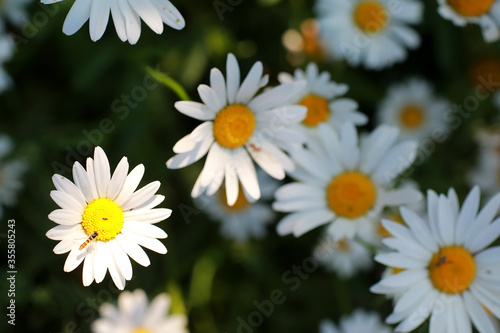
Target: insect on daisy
x,y
343,184
321,97
240,126
414,109
449,273
134,314
374,34
127,15
103,219
485,13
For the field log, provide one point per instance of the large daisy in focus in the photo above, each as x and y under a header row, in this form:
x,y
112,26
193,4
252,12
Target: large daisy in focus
x,y
360,321
415,110
449,274
127,15
245,219
485,13
374,34
135,315
103,219
322,98
240,126
344,185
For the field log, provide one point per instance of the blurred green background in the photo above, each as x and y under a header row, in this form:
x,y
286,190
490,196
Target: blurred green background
x,y
65,87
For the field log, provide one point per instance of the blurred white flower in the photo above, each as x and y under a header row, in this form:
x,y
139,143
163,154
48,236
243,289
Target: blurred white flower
x,y
135,315
11,172
374,34
360,321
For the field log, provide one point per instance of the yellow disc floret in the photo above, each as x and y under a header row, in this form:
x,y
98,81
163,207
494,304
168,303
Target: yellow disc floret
x,y
105,217
317,110
412,116
452,269
470,7
351,194
141,330
371,16
233,126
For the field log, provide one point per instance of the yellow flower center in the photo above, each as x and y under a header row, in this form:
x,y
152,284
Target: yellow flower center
x,y
317,110
396,270
141,330
105,217
371,16
470,7
351,194
241,201
452,269
233,126
382,231
343,245
484,71
412,116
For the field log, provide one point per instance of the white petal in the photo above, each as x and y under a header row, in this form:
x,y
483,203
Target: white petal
x,y
141,196
150,243
250,85
101,172
77,16
133,250
121,259
209,97
64,184
145,229
218,84
88,270
99,16
65,201
233,77
66,217
118,179
132,22
195,110
130,184
101,260
74,259
148,13
467,215
477,313
247,174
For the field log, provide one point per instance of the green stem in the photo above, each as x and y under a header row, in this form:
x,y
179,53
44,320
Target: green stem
x,y
168,82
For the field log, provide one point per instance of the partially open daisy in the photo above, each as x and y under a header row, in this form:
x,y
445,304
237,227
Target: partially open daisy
x,y
360,321
246,218
414,109
127,15
11,172
103,219
485,13
240,126
449,274
343,184
321,97
346,257
135,315
374,34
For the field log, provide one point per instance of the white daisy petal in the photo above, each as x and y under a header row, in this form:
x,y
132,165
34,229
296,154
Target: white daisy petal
x,y
130,184
145,229
467,214
77,16
88,270
66,217
477,314
250,85
133,250
141,196
148,242
64,184
101,172
218,84
195,110
121,259
118,179
67,202
233,78
99,16
101,261
148,13
74,259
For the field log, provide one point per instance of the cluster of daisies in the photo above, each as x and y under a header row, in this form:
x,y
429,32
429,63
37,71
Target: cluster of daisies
x,y
439,260
378,34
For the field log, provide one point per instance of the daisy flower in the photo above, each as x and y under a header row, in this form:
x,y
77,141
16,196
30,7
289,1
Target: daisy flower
x,y
343,184
322,98
485,13
11,172
127,15
414,109
103,219
13,11
135,315
360,321
374,34
486,172
244,219
345,257
449,274
240,125
7,49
